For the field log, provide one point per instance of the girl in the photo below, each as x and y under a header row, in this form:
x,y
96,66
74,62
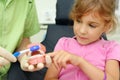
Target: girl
x,y
87,56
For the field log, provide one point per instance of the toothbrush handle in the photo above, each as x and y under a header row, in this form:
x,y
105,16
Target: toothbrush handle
x,y
33,48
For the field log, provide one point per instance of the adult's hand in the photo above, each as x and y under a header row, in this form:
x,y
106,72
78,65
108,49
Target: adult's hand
x,y
6,57
24,61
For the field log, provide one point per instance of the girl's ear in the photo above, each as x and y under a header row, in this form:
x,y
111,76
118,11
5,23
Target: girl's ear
x,y
108,27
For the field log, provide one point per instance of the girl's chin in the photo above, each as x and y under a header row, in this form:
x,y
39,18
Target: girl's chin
x,y
83,43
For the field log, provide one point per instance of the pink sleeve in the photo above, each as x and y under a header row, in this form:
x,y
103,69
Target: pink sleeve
x,y
60,44
114,51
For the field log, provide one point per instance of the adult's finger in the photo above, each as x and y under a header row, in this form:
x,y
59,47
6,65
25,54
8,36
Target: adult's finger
x,y
7,55
24,63
3,61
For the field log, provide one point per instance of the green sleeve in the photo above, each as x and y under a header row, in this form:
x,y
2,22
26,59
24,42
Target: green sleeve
x,y
31,23
3,72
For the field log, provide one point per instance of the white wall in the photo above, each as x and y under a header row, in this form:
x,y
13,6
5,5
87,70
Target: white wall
x,y
115,35
46,11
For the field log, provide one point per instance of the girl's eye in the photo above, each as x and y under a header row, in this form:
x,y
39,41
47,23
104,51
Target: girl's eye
x,y
78,20
92,26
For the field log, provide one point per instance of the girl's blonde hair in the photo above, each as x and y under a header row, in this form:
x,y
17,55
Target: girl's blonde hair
x,y
104,8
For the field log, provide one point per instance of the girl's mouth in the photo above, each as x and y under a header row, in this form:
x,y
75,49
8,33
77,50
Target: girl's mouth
x,y
83,38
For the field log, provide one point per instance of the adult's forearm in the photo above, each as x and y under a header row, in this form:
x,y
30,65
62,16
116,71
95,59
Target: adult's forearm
x,y
23,46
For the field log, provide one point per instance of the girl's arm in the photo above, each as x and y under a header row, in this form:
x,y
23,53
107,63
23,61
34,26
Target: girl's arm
x,y
63,58
111,70
52,73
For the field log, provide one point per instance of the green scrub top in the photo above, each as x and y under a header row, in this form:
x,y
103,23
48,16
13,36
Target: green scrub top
x,y
18,19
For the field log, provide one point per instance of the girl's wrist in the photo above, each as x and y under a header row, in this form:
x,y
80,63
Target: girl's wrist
x,y
78,61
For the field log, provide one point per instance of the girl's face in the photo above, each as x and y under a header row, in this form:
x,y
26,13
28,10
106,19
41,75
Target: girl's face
x,y
89,28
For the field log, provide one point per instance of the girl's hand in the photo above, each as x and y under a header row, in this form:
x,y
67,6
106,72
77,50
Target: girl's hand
x,y
62,58
6,57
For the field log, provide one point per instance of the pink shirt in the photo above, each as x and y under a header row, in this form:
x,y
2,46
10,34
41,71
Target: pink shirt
x,y
96,53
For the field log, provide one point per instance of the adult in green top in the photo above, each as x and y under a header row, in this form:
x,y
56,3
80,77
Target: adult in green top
x,y
18,21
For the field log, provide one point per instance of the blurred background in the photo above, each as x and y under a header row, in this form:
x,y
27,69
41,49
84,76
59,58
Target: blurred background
x,y
46,10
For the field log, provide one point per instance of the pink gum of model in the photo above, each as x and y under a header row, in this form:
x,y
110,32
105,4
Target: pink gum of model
x,y
37,57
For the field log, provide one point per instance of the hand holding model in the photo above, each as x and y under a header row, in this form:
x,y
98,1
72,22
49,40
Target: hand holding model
x,y
6,57
35,60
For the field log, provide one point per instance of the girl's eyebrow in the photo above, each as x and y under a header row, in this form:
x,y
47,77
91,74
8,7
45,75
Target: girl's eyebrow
x,y
93,22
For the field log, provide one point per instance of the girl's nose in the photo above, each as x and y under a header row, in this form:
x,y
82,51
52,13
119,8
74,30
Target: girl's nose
x,y
83,29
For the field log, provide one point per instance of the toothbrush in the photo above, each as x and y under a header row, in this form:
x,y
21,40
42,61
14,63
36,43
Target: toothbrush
x,y
33,48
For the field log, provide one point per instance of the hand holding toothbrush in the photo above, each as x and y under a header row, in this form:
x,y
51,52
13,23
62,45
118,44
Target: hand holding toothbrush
x,y
34,60
6,57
